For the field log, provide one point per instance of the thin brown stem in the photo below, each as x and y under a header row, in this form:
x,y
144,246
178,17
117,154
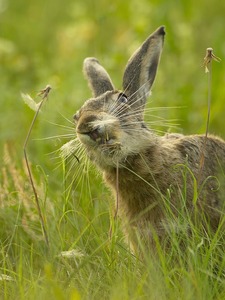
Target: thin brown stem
x,y
209,100
202,156
44,94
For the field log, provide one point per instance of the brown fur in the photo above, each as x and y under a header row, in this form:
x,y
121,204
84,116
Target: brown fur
x,y
153,170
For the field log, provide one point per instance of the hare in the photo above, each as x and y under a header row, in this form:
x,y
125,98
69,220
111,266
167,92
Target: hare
x,y
145,171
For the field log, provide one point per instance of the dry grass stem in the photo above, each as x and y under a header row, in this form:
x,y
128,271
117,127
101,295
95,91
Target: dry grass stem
x,y
207,64
44,95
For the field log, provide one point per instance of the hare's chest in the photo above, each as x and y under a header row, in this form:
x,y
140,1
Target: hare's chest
x,y
138,197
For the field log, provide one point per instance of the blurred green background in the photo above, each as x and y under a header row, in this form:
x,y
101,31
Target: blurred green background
x,y
44,42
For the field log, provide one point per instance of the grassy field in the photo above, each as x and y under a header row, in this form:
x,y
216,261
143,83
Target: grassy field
x,y
45,42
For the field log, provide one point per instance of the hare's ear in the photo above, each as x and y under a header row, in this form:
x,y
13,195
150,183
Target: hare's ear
x,y
141,69
98,79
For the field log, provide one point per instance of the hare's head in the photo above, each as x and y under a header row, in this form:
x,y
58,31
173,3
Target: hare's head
x,y
110,125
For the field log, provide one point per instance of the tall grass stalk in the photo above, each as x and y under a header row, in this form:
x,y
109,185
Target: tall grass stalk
x,y
44,93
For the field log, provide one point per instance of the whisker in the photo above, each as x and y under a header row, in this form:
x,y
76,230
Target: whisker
x,y
119,109
62,126
148,109
79,173
69,135
68,120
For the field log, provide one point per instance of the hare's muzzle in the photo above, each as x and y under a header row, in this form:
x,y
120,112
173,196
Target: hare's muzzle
x,y
97,135
97,130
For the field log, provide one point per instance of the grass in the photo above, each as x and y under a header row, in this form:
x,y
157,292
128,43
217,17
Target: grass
x,y
82,262
78,214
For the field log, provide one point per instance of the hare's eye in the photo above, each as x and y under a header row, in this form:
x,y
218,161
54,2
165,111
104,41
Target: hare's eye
x,y
122,98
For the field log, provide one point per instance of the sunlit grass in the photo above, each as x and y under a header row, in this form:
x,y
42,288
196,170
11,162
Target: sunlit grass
x,y
82,262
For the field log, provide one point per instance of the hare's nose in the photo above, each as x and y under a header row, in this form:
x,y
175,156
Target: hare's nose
x,y
76,116
95,134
